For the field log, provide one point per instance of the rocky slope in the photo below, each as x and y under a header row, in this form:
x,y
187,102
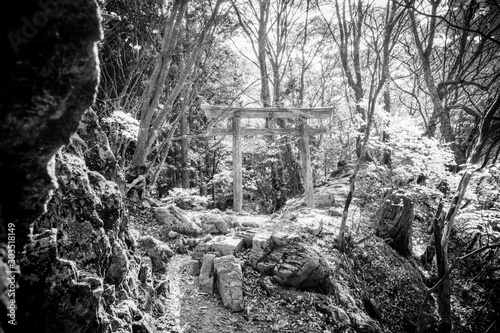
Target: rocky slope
x,y
292,279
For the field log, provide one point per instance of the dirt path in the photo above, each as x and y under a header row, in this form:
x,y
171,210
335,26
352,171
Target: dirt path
x,y
188,310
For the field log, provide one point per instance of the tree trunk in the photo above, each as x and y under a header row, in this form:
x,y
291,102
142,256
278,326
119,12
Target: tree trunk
x,y
430,251
395,218
265,95
154,89
445,290
184,149
151,120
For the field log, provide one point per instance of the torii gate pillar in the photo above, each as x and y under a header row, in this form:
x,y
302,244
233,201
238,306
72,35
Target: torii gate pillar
x,y
305,154
237,165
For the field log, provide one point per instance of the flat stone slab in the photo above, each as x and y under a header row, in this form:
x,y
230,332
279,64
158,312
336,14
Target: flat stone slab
x,y
229,282
222,245
226,245
206,279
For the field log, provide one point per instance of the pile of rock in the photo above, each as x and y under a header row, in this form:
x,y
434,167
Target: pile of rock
x,y
225,272
277,254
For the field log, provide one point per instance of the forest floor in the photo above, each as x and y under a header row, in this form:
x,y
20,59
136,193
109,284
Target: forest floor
x,y
189,310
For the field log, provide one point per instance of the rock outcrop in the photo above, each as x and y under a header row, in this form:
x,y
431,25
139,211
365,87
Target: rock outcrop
x,y
75,211
84,221
91,142
175,219
48,78
54,297
290,263
158,251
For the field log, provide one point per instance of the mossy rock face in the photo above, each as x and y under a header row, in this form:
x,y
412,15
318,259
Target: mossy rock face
x,y
52,297
86,209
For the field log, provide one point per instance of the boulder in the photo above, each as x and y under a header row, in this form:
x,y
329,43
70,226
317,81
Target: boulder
x,y
262,244
292,264
158,251
302,268
229,282
206,279
214,224
175,219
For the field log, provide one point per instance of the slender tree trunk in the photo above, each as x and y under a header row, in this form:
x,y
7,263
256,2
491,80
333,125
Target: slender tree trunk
x,y
303,58
151,119
265,94
154,89
184,147
352,185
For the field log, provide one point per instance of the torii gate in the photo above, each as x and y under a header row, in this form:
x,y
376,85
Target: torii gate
x,y
272,113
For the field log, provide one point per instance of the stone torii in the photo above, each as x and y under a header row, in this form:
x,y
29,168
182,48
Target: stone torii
x,y
236,113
